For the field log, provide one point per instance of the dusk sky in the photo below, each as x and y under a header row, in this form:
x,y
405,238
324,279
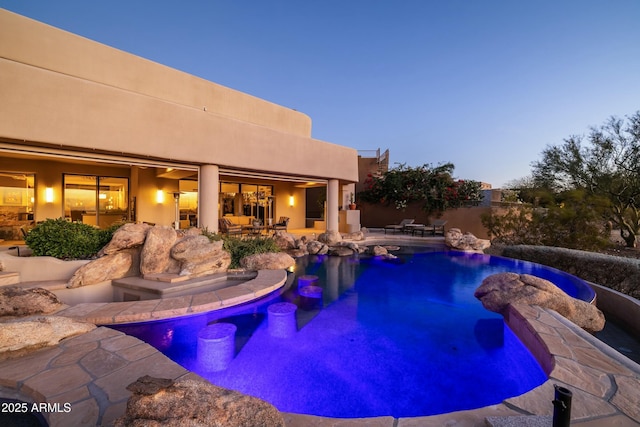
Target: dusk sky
x,y
484,84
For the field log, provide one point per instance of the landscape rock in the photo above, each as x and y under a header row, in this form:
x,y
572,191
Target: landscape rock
x,y
268,261
378,250
187,402
298,252
128,236
16,301
20,336
340,251
315,247
356,236
155,256
216,262
499,290
195,248
465,242
284,240
109,267
330,237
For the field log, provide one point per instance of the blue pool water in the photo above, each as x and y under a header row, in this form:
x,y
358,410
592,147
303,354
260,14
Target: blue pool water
x,y
403,338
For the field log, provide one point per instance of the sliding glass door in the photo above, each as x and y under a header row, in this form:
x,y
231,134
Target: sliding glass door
x,y
96,200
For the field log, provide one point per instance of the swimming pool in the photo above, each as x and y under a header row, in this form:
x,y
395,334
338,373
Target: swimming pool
x,y
403,338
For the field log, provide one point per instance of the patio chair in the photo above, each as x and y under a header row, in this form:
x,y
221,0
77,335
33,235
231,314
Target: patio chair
x,y
398,227
227,227
437,226
281,224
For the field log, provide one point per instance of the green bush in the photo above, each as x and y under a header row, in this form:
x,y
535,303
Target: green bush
x,y
241,247
66,240
576,222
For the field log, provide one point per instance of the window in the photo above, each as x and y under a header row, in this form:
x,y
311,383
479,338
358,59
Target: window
x,y
16,198
96,200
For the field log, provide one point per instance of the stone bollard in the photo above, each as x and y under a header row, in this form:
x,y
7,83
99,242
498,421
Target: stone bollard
x,y
282,319
216,346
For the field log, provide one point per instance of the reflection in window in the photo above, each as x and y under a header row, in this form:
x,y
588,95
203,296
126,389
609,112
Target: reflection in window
x,y
96,200
16,202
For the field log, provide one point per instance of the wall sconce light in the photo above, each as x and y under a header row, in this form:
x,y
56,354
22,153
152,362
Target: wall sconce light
x,y
159,196
291,201
48,195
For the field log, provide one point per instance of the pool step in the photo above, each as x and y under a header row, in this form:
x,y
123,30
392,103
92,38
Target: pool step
x,y
164,287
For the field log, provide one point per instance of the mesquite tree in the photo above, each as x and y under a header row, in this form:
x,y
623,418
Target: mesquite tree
x,y
606,164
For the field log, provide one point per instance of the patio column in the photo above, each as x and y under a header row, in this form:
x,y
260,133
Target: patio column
x,y
332,205
208,195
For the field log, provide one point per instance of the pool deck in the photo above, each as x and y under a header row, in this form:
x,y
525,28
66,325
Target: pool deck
x,y
91,372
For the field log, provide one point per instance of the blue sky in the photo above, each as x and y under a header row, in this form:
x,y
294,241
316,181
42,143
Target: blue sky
x,y
486,85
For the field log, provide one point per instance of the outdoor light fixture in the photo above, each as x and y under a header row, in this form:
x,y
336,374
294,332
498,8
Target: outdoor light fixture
x,y
159,196
291,200
48,195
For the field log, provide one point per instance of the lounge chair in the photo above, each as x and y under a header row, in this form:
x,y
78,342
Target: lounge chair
x,y
227,227
437,226
398,227
281,224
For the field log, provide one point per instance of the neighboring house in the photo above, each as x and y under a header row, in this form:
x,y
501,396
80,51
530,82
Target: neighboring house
x,y
94,134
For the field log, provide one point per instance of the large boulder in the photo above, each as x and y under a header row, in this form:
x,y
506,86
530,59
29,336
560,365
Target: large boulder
x,y
455,239
20,336
109,267
284,240
155,257
195,248
16,301
216,262
199,256
499,290
330,237
317,248
128,236
159,402
268,261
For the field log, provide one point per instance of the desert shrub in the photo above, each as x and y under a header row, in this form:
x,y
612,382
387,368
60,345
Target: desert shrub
x,y
62,239
575,222
240,247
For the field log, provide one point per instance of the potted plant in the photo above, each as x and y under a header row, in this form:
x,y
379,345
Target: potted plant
x,y
352,201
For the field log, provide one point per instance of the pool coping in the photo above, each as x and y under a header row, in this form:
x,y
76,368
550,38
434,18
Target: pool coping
x,y
111,313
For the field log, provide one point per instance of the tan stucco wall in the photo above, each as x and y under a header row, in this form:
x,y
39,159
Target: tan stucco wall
x,y
62,89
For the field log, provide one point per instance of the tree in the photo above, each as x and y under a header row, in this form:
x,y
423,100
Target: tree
x,y
434,187
606,165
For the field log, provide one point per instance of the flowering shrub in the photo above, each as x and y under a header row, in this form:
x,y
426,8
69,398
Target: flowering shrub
x,y
434,187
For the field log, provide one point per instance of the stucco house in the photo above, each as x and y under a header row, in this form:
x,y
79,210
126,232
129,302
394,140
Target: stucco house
x,y
94,134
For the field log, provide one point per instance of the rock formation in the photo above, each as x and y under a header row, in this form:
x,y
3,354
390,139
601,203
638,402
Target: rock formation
x,y
156,252
113,266
187,402
499,290
16,302
128,236
268,261
153,250
465,242
20,336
